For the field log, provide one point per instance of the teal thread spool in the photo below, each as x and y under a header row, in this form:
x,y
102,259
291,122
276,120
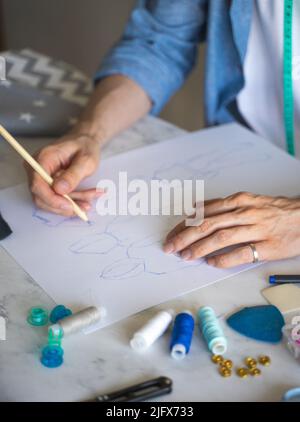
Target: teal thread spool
x,y
37,316
212,331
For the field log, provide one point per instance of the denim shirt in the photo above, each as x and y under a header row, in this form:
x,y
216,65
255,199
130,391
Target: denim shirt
x,y
159,49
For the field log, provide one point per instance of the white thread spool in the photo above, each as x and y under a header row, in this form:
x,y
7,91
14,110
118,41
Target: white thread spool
x,y
79,321
151,331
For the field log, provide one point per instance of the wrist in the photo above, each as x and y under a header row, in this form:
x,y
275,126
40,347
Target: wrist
x,y
88,130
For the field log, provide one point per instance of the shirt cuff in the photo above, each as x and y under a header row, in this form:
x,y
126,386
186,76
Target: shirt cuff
x,y
158,87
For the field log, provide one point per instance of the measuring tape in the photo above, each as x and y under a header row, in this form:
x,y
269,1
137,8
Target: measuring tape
x,y
288,98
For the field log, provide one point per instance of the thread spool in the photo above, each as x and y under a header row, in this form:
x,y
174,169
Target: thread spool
x,y
212,331
182,335
79,321
151,331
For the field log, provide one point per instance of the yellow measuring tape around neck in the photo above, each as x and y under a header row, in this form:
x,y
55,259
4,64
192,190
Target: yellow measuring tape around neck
x,y
288,98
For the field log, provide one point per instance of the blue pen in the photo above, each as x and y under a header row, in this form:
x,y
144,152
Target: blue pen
x,y
284,279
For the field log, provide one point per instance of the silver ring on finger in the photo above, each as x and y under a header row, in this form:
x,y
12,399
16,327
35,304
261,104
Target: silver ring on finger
x,y
254,252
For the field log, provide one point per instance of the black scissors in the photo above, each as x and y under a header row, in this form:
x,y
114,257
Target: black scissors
x,y
146,390
5,230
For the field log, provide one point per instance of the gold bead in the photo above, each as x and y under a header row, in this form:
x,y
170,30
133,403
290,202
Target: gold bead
x,y
217,358
242,372
255,371
250,362
227,363
264,360
225,372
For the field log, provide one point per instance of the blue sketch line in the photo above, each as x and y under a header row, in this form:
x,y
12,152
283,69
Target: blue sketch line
x,y
136,256
124,268
53,220
95,244
210,164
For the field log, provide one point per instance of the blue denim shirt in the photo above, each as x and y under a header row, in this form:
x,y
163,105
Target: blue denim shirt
x,y
159,48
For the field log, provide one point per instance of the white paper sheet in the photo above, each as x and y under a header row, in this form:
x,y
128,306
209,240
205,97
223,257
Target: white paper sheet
x,y
118,262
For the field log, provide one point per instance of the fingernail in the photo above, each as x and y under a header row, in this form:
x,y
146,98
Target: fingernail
x,y
168,247
87,207
186,255
66,206
62,186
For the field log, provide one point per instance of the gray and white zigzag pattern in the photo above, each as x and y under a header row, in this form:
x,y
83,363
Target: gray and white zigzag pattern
x,y
51,76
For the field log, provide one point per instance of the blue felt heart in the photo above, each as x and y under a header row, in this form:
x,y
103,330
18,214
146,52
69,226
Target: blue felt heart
x,y
262,323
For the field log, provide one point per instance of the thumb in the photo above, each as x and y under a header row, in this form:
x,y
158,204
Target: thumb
x,y
81,167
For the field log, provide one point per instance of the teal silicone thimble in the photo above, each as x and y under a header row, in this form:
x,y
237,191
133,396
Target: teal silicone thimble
x,y
55,337
52,356
37,316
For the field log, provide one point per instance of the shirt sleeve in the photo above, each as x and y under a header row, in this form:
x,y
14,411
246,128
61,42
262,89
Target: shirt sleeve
x,y
159,47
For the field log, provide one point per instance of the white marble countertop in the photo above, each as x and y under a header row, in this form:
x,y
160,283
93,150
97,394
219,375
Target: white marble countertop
x,y
103,361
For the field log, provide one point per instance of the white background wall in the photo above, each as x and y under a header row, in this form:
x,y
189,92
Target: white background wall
x,y
80,32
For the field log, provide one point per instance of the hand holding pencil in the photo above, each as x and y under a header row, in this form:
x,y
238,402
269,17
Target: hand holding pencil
x,y
56,172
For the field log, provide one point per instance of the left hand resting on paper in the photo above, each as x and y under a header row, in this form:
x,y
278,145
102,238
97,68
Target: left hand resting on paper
x,y
272,224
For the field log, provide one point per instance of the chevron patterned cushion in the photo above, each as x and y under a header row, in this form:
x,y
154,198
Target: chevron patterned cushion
x,y
41,96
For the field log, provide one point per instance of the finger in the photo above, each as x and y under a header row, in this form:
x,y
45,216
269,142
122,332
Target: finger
x,y
51,159
86,195
82,166
45,207
217,206
176,230
42,191
220,205
84,205
190,235
66,213
238,256
219,240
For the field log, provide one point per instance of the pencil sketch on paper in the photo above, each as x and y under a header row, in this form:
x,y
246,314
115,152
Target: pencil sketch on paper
x,y
124,254
118,261
54,220
209,165
204,166
134,256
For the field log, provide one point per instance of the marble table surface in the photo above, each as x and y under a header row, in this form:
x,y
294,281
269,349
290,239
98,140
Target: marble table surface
x,y
103,361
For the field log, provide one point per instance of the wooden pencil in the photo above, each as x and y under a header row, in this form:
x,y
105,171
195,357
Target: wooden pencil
x,y
38,168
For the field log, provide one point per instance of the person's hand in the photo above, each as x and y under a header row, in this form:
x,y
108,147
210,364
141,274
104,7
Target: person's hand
x,y
68,161
272,224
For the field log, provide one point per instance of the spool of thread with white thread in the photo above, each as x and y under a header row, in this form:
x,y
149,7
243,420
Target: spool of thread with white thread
x,y
151,331
79,321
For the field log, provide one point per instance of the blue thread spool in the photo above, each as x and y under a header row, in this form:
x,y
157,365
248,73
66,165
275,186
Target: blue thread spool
x,y
37,317
58,313
182,335
212,331
52,356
